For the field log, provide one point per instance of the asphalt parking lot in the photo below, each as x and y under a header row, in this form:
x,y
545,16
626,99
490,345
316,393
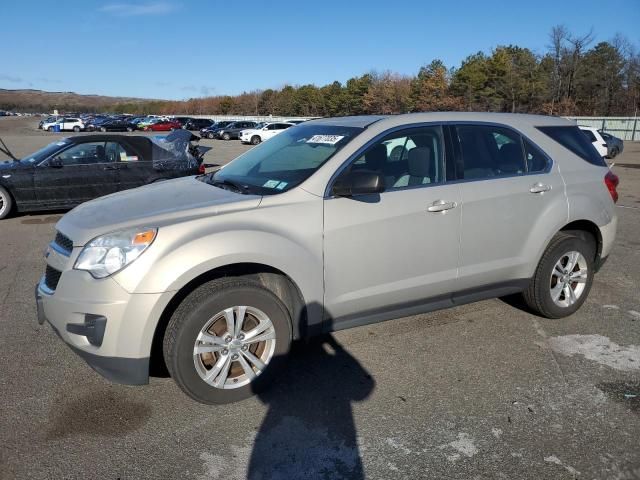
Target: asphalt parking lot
x,y
482,391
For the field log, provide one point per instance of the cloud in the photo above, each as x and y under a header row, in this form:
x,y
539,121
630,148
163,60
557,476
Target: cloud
x,y
14,79
11,78
149,8
203,90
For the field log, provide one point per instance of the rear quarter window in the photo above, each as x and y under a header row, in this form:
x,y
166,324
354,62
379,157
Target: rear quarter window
x,y
574,139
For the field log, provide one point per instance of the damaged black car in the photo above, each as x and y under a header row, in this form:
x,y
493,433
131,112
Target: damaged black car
x,y
77,169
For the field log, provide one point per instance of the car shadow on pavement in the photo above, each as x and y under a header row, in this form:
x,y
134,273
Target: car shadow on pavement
x,y
309,429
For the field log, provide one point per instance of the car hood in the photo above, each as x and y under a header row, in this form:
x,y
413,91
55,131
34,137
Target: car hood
x,y
155,205
10,165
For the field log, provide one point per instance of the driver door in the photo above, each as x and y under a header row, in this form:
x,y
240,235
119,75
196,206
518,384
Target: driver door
x,y
77,174
394,253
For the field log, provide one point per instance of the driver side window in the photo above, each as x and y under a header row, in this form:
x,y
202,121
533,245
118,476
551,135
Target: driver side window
x,y
407,158
83,154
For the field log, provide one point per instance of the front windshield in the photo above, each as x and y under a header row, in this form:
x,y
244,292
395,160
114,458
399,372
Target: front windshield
x,y
286,160
44,153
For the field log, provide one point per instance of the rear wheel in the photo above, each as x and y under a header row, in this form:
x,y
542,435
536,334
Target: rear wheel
x,y
129,129
227,340
614,153
564,275
49,129
255,140
6,203
210,135
103,129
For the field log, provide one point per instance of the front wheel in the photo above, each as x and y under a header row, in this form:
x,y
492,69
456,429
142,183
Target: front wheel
x,y
103,129
255,140
49,129
6,203
76,129
129,129
227,340
564,276
226,136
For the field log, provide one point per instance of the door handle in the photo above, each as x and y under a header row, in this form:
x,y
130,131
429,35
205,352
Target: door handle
x,y
441,206
111,167
539,188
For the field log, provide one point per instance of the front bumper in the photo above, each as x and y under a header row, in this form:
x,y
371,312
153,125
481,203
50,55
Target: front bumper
x,y
111,329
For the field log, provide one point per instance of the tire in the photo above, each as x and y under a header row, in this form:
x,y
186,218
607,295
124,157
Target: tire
x,y
226,136
171,129
548,281
102,129
129,129
207,304
210,135
76,129
255,140
614,153
6,203
49,129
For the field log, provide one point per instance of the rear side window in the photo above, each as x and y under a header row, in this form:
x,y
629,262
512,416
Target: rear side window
x,y
490,152
537,162
590,136
572,138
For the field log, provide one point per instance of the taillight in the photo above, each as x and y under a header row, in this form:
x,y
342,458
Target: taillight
x,y
201,169
611,180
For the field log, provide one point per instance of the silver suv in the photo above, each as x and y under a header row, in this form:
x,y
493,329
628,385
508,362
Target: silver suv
x,y
332,224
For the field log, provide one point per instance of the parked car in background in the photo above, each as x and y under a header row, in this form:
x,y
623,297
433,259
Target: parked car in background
x,y
197,124
205,267
163,126
593,135
117,125
145,122
67,124
615,145
48,121
211,132
295,122
181,120
232,131
94,124
76,169
269,130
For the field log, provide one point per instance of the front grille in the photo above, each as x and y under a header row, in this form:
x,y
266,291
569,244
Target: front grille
x,y
51,278
64,242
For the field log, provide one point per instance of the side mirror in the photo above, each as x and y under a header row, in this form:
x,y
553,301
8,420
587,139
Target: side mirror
x,y
55,163
360,182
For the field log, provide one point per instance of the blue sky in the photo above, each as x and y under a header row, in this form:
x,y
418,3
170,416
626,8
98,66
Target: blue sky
x,y
181,49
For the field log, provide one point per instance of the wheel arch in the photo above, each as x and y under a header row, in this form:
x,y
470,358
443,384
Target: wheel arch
x,y
586,226
271,278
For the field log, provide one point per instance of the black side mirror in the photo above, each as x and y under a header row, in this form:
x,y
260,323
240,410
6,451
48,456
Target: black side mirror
x,y
55,163
359,182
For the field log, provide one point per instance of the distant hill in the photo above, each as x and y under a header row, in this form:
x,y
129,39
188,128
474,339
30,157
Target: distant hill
x,y
40,101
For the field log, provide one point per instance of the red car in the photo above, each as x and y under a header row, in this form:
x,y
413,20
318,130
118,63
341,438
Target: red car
x,y
164,126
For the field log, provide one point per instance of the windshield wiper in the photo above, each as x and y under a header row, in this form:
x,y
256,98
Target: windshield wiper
x,y
235,186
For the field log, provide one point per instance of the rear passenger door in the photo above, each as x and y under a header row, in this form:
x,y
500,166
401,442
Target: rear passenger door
x,y
133,170
510,192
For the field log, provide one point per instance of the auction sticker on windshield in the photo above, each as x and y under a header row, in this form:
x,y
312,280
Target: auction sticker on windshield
x,y
327,139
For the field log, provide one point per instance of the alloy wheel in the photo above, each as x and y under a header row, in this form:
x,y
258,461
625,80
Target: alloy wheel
x,y
568,279
3,203
234,347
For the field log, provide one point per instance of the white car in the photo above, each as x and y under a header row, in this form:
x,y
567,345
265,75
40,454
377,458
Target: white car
x,y
596,139
65,123
256,135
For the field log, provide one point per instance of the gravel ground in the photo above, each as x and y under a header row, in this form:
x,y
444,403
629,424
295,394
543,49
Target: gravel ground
x,y
482,391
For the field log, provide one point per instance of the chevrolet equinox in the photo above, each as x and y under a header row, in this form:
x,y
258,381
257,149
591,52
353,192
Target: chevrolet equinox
x,y
332,224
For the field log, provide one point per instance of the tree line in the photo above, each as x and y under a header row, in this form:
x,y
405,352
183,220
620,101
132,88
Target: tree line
x,y
574,76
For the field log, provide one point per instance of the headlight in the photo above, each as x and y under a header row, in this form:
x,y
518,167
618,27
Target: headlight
x,y
108,254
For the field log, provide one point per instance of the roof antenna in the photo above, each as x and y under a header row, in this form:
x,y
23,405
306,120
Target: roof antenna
x,y
4,149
